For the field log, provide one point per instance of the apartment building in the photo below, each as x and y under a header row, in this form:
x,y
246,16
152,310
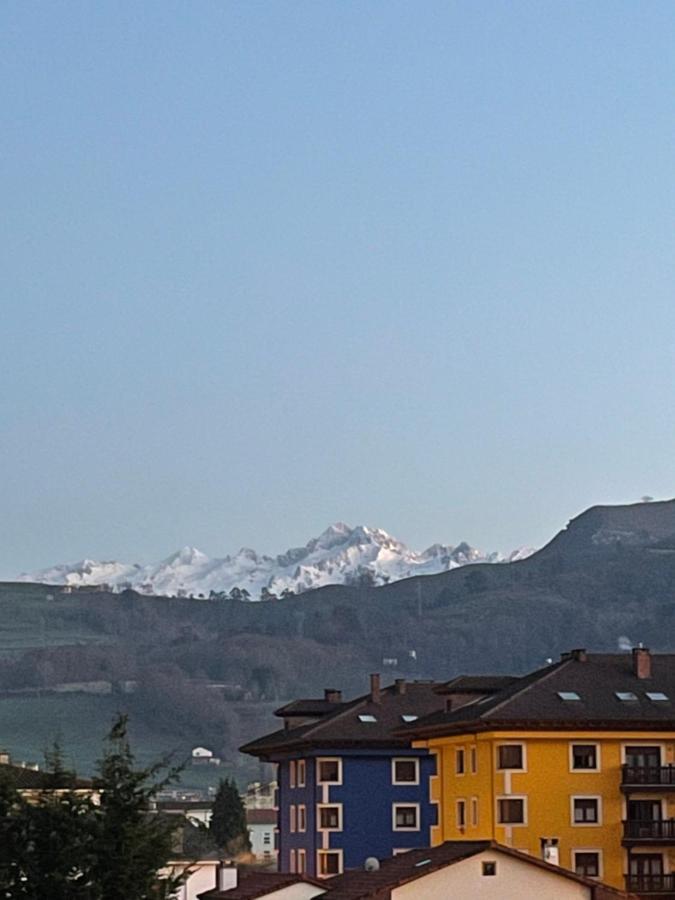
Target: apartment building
x,y
349,787
573,763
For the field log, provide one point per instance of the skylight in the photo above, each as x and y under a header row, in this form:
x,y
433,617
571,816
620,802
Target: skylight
x,y
366,717
657,696
568,695
422,862
409,718
626,696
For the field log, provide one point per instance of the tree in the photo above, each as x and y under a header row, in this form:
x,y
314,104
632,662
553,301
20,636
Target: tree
x,y
228,819
132,843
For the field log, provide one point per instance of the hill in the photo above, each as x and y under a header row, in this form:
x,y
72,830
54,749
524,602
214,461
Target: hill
x,y
210,671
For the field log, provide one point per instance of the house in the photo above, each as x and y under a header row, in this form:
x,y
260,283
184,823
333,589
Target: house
x,y
203,757
349,787
456,869
260,795
574,762
262,826
198,811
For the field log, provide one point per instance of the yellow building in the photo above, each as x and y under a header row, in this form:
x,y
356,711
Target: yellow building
x,y
574,763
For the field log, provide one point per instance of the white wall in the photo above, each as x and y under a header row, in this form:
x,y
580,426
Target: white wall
x,y
258,846
203,878
515,880
299,892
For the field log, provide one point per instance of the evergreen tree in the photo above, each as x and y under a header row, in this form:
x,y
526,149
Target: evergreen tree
x,y
228,819
132,843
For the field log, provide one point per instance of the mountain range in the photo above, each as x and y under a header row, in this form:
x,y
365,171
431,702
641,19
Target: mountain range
x,y
339,555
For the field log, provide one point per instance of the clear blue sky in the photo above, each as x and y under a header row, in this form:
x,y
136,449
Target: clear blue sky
x,y
269,265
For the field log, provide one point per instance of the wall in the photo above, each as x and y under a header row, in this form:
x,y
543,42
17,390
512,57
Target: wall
x,y
515,880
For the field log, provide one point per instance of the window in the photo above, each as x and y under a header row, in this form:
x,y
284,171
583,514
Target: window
x,y
461,813
292,861
585,810
459,761
405,771
408,719
330,817
267,838
301,773
302,817
510,756
406,816
489,868
291,773
366,717
625,696
657,696
293,813
474,811
586,862
329,771
473,756
585,757
569,695
302,861
511,810
330,862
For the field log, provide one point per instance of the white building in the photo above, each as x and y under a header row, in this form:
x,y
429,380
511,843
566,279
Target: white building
x,y
262,827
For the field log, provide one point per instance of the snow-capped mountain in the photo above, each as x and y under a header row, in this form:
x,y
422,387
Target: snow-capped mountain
x,y
340,555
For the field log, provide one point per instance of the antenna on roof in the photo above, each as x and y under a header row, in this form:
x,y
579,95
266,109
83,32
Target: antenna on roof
x,y
372,864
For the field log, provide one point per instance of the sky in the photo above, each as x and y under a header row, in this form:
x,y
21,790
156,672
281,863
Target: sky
x,y
269,265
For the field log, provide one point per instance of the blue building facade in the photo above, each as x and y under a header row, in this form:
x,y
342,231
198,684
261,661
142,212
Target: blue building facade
x,y
348,786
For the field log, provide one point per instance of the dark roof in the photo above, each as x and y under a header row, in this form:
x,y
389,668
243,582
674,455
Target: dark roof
x,y
344,728
308,707
183,805
261,816
477,684
407,867
258,884
534,700
36,780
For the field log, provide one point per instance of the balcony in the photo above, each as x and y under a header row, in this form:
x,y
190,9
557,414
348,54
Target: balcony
x,y
656,831
650,778
645,885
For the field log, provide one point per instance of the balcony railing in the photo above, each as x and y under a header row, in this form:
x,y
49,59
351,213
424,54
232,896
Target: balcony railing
x,y
648,776
649,831
650,884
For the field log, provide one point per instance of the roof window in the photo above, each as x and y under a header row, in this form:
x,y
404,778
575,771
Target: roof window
x,y
366,717
422,862
625,696
408,718
568,695
657,696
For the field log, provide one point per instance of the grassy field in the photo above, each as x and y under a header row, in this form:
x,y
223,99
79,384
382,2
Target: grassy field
x,y
29,725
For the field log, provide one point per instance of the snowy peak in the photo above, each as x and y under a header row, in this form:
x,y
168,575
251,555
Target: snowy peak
x,y
339,555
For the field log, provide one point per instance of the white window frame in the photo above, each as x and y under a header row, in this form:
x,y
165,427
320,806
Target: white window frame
x,y
474,812
598,800
405,759
523,756
660,745
319,807
323,759
293,818
598,760
302,818
301,767
321,853
473,757
291,862
522,797
395,827
291,773
573,854
302,866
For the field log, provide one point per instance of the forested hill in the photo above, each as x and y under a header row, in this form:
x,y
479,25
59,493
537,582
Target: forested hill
x,y
609,575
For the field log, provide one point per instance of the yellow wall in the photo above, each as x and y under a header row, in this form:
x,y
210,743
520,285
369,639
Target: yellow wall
x,y
548,784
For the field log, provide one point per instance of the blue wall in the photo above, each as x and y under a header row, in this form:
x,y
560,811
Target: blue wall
x,y
367,795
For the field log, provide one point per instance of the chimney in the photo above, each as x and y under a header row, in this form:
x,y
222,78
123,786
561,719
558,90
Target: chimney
x,y
400,685
375,687
578,655
227,877
642,662
332,696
